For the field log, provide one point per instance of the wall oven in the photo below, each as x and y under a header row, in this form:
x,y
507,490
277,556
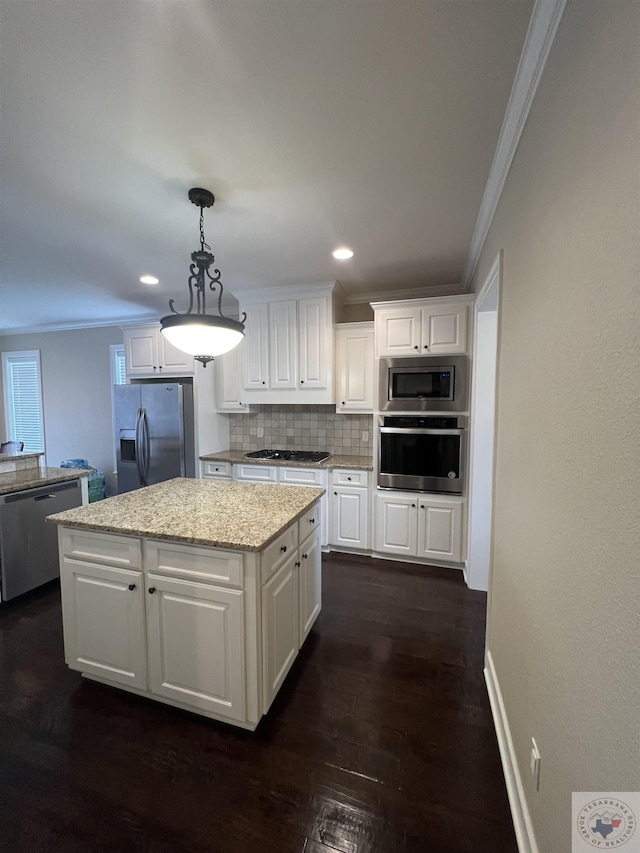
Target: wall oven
x,y
423,454
424,384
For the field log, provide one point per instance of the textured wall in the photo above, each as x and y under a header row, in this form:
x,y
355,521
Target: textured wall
x,y
563,624
76,390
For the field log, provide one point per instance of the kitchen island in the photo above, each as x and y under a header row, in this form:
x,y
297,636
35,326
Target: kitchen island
x,y
195,593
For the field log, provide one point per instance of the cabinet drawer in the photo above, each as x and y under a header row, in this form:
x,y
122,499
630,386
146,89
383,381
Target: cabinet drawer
x,y
123,551
221,470
256,473
275,554
192,562
344,477
309,522
301,477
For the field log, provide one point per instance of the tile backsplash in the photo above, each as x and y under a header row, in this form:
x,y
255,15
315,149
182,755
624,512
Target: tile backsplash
x,y
302,428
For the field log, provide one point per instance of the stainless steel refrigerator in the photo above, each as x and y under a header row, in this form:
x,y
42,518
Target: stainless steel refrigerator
x,y
154,433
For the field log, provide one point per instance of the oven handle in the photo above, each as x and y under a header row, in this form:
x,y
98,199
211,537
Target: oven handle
x,y
400,431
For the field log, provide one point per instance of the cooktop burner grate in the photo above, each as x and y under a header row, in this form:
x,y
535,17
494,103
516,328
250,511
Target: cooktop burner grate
x,y
290,455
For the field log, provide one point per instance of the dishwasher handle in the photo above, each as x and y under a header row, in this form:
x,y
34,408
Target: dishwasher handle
x,y
44,497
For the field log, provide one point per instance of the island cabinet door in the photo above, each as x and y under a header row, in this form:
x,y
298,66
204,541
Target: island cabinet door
x,y
310,575
103,615
280,626
196,645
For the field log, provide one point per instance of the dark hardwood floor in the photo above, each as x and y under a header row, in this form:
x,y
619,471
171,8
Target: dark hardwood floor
x,y
381,738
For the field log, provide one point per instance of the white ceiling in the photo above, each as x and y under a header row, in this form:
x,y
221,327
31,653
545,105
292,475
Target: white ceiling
x,y
314,122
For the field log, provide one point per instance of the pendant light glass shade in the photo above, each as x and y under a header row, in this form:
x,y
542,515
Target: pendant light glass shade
x,y
202,335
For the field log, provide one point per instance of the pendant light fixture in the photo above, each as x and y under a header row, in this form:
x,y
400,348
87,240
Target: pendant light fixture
x,y
197,333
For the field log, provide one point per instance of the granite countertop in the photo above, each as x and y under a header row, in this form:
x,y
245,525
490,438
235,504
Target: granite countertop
x,y
9,457
236,516
362,463
32,478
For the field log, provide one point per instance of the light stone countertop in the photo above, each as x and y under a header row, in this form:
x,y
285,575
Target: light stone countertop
x,y
32,478
236,516
362,463
10,457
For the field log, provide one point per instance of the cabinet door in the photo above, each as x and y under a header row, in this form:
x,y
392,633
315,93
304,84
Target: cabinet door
x,y
354,370
440,529
349,517
310,583
312,332
228,381
444,329
255,358
396,525
282,345
196,644
398,331
172,361
103,616
141,350
279,626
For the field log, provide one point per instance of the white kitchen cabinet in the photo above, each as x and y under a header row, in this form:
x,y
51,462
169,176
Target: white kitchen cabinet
x,y
289,356
280,631
228,381
196,644
355,364
310,584
416,525
216,470
350,509
149,353
104,631
421,327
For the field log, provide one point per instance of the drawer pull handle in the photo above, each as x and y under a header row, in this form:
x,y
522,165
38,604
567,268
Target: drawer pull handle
x,y
152,589
284,549
132,586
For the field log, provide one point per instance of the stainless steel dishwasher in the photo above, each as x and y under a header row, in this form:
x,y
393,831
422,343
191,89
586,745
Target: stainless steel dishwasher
x,y
28,545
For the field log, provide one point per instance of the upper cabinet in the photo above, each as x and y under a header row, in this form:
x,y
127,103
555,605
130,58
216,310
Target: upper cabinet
x,y
149,353
421,327
288,349
354,367
228,381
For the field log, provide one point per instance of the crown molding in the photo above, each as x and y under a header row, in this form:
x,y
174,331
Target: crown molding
x,y
537,44
83,324
410,293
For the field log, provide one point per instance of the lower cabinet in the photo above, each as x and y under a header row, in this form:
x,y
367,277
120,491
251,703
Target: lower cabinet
x,y
349,495
196,644
310,585
104,628
418,525
280,608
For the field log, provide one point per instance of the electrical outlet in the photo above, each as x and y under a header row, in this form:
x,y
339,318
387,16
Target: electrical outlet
x,y
260,432
534,764
365,435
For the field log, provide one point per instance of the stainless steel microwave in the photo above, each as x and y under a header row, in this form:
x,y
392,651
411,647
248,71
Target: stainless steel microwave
x,y
424,384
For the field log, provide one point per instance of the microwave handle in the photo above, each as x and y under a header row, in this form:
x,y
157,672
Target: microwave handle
x,y
412,431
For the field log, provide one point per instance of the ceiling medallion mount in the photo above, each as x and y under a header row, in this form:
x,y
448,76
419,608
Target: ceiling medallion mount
x,y
202,335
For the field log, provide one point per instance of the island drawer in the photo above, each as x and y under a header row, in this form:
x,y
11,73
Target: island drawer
x,y
122,551
349,477
219,470
194,562
309,522
275,554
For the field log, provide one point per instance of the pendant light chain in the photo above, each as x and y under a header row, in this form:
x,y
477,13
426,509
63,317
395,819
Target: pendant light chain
x,y
203,245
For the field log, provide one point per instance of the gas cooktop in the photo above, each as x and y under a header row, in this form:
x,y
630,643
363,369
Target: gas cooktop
x,y
290,455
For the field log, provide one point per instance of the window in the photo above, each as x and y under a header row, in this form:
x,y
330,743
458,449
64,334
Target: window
x,y
118,366
23,399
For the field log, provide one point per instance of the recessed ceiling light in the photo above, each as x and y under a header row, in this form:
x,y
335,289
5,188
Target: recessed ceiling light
x,y
149,279
342,253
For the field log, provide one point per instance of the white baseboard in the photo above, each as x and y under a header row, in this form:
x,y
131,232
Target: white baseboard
x,y
519,809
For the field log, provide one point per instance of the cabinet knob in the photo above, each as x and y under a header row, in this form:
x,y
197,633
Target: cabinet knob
x,y
426,346
297,564
335,493
304,556
312,521
348,478
343,403
152,589
132,586
160,368
263,382
302,381
413,505
421,506
284,549
416,346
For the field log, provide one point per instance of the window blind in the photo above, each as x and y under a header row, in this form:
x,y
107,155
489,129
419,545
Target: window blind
x,y
119,367
23,399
